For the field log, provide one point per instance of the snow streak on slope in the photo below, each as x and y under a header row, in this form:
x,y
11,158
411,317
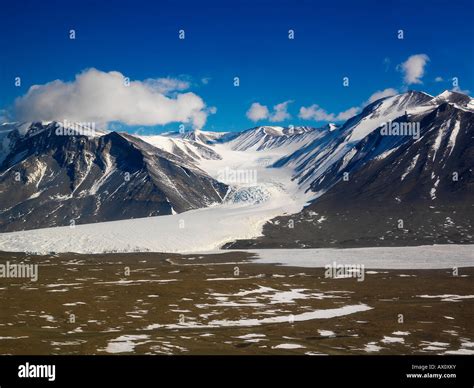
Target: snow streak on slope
x,y
189,150
265,138
410,167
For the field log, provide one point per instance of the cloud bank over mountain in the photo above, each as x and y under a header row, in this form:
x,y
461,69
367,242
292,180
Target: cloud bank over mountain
x,y
103,97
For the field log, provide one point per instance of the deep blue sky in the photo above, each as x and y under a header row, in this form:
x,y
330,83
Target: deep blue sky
x,y
243,38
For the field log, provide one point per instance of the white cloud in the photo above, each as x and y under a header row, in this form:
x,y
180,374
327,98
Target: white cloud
x,y
381,94
280,112
4,116
103,97
347,114
414,68
167,85
315,112
439,79
258,112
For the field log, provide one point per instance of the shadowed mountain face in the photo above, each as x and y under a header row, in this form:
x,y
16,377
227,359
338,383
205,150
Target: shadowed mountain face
x,y
54,180
436,169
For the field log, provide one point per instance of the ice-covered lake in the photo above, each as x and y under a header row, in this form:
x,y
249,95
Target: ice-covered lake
x,y
417,257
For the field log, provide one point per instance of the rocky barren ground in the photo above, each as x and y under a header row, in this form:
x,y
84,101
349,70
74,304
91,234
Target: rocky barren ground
x,y
228,304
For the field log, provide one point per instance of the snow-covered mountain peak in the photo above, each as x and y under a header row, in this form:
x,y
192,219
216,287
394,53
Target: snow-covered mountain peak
x,y
448,95
383,110
266,137
200,136
272,131
459,100
445,95
29,129
398,102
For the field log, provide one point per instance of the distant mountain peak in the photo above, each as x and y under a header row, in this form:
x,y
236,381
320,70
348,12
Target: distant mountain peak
x,y
331,127
460,100
273,130
204,137
417,92
449,94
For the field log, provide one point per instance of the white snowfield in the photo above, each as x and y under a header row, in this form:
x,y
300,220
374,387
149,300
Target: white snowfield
x,y
197,230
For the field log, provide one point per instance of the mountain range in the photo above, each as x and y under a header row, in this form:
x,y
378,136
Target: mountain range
x,y
397,173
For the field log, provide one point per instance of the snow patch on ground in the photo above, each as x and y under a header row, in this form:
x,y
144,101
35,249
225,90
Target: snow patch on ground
x,y
371,347
393,340
447,297
326,333
125,343
288,346
249,322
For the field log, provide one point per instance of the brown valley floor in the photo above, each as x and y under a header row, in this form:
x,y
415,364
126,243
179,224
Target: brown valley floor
x,y
195,304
